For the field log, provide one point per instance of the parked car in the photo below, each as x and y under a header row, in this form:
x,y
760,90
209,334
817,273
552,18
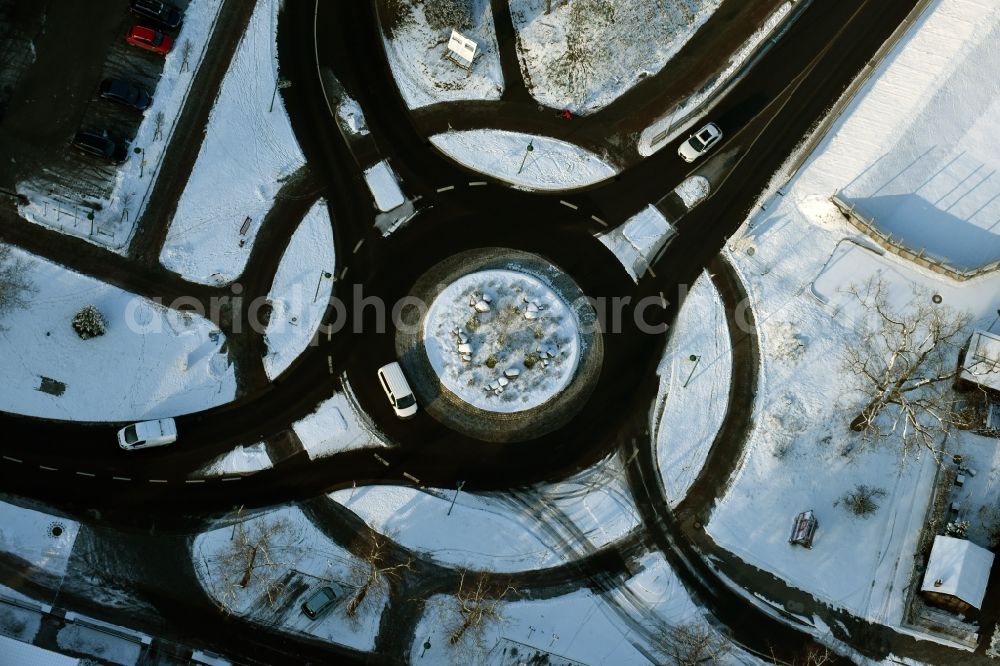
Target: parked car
x,y
99,145
397,389
149,39
700,142
147,434
126,93
319,601
160,13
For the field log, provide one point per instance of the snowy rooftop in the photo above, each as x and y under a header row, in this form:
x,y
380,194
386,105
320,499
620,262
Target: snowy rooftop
x,y
16,652
962,567
982,361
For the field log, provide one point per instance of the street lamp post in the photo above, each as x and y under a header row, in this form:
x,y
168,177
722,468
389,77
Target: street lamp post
x,y
695,359
278,83
455,497
322,274
527,151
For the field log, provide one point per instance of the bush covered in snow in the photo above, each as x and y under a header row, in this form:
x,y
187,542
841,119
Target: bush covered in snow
x,y
861,501
89,323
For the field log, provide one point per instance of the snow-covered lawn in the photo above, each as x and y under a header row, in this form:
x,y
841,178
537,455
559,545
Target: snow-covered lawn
x,y
801,455
112,226
151,361
628,626
305,560
502,340
552,164
384,185
416,44
43,540
246,154
920,150
587,53
335,426
637,242
540,527
689,413
301,290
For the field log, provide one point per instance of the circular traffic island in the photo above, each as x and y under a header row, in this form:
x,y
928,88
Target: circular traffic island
x,y
499,344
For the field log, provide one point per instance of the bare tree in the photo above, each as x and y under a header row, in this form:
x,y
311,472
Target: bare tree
x,y
904,363
374,571
16,287
814,655
251,564
693,645
186,49
478,605
158,121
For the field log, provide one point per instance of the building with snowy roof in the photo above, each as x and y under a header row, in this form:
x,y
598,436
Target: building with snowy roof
x,y
957,574
979,364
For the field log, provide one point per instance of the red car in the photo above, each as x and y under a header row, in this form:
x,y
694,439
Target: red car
x,y
149,39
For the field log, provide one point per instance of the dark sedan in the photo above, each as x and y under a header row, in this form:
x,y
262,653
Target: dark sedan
x,y
99,145
125,93
162,14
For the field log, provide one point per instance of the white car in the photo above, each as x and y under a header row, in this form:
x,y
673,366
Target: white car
x,y
147,434
397,389
700,142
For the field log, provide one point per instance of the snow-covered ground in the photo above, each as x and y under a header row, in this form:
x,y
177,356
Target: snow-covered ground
x,y
241,460
552,164
691,402
628,626
539,527
247,152
686,114
384,186
584,55
301,290
921,148
43,540
304,560
335,426
801,455
502,340
417,46
637,242
114,224
151,361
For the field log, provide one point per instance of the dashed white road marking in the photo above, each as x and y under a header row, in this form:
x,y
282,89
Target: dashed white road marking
x,y
121,478
232,478
568,204
194,481
599,220
446,188
86,474
48,469
343,272
358,246
381,459
17,460
411,477
476,183
157,480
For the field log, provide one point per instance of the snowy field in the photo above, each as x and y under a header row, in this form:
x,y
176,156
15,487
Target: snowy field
x,y
541,527
335,426
692,399
114,223
802,455
300,291
637,242
628,626
921,148
552,164
151,362
502,341
416,44
303,560
43,540
247,152
587,53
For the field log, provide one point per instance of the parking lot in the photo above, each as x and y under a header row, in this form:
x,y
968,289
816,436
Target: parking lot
x,y
57,95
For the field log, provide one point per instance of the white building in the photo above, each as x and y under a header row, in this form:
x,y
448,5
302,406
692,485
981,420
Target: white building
x,y
957,574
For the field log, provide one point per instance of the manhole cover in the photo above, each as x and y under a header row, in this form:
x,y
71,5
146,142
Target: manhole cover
x,y
937,298
56,530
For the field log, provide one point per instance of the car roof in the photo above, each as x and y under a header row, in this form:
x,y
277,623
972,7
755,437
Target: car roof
x,y
143,31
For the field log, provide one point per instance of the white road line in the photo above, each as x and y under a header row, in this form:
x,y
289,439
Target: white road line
x,y
568,204
329,363
358,246
650,271
343,272
49,469
12,459
663,301
381,459
121,478
194,481
411,477
232,478
85,474
157,480
599,220
476,183
445,189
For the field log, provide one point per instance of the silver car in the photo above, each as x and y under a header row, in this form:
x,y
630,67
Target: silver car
x,y
700,142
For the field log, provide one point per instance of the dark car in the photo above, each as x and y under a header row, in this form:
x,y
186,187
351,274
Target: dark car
x,y
99,145
160,13
125,92
319,601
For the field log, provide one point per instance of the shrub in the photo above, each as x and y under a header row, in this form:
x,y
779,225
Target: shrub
x,y
89,323
861,500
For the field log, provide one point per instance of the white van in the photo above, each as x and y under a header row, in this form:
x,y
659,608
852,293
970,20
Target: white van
x,y
398,390
147,434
